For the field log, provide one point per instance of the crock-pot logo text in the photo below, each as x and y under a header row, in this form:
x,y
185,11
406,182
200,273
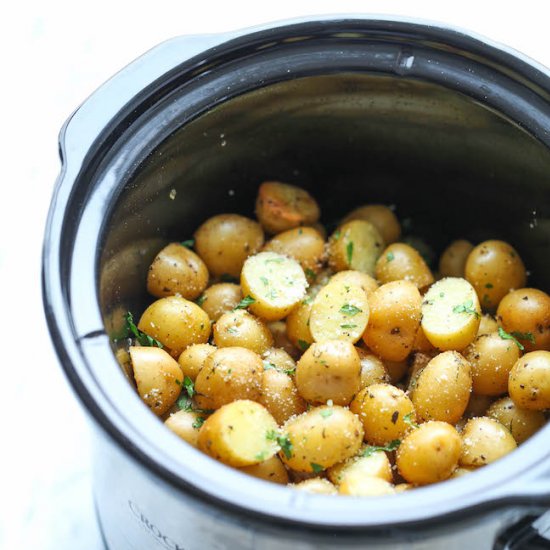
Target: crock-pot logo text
x,y
153,530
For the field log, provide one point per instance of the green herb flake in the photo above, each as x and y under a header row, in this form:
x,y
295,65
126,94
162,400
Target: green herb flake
x,y
201,300
336,235
349,252
274,260
325,413
390,256
264,280
285,444
140,336
268,365
466,307
348,326
261,456
349,309
310,274
409,421
189,243
232,330
199,421
303,345
391,446
524,336
505,336
189,386
245,302
317,468
271,435
307,300
184,403
272,294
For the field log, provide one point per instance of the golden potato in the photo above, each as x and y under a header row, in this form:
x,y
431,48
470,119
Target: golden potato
x,y
451,314
225,241
367,463
240,328
382,409
280,396
355,245
320,438
357,485
271,469
394,320
429,454
421,343
186,424
239,434
494,268
487,325
177,270
316,485
373,370
453,259
522,423
219,299
339,312
192,359
281,340
275,283
329,370
175,322
484,440
356,278
381,216
401,261
443,388
525,313
158,377
229,374
279,359
529,382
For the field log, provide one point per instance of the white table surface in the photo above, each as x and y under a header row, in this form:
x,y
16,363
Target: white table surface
x,y
54,54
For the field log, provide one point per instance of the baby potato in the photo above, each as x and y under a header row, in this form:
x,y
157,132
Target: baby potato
x,y
382,409
177,270
494,268
316,485
175,322
280,396
429,453
371,464
271,469
225,241
239,434
401,261
192,359
492,359
219,299
240,328
373,370
521,423
443,388
229,374
356,278
487,325
329,370
421,343
158,377
304,244
186,424
339,312
355,245
526,314
382,217
529,382
394,320
451,314
297,325
280,338
279,359
453,259
320,438
396,370
484,440
276,284
281,206
357,485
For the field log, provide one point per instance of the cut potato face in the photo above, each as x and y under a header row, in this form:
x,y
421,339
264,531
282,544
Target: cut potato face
x,y
275,283
357,278
186,424
451,314
369,464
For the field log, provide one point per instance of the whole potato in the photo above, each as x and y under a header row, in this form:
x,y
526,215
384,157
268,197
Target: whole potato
x,y
297,325
219,299
186,424
382,217
453,260
279,359
271,469
225,241
240,328
525,313
494,268
192,359
529,382
280,338
487,325
373,370
356,278
280,396
401,261
522,423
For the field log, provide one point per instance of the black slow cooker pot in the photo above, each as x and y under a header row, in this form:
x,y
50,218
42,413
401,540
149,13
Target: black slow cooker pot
x,y
450,128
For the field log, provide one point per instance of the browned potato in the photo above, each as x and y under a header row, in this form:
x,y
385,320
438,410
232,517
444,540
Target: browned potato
x,y
487,325
305,245
529,382
494,268
429,454
396,369
357,485
316,485
240,328
329,370
382,217
373,370
368,462
382,409
297,325
280,396
229,374
192,359
225,241
271,469
158,377
219,299
239,434
521,423
177,270
401,261
492,359
176,323
484,440
356,278
443,387
280,206
355,245
186,424
453,259
525,314
394,320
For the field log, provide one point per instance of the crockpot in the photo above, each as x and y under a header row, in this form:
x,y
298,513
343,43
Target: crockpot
x,y
447,126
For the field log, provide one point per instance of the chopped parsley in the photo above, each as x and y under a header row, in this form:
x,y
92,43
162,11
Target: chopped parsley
x,y
349,309
201,300
391,446
409,421
232,330
140,336
310,274
466,307
282,440
390,256
325,413
336,234
198,422
524,336
349,252
264,280
512,336
270,366
245,302
261,456
303,345
348,326
189,387
317,468
274,260
189,243
307,300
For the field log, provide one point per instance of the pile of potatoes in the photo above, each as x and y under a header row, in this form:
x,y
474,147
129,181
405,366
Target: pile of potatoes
x,y
341,365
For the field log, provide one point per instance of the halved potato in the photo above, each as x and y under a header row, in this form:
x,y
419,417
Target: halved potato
x,y
358,278
373,464
358,485
186,424
316,485
271,469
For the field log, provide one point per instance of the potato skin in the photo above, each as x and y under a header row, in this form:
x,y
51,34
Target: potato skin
x,y
522,423
186,425
494,268
399,261
373,370
351,277
394,320
375,464
191,360
529,382
220,298
225,241
527,311
271,469
487,325
453,260
240,328
382,217
280,396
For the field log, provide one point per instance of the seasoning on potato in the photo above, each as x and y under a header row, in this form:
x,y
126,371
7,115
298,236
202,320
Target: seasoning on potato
x,y
401,261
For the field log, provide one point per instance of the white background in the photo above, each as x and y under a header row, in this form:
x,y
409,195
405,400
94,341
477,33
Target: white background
x,y
53,55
